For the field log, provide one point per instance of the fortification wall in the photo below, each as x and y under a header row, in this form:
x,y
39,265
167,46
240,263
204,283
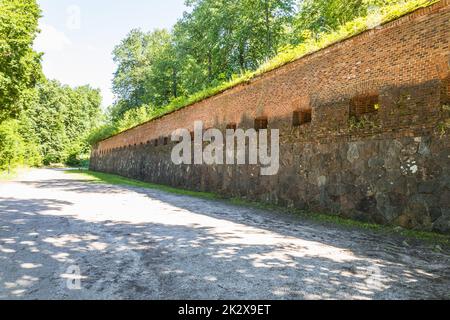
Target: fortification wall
x,y
376,148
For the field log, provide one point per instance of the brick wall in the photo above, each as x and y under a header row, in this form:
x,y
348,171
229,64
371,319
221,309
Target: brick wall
x,y
351,159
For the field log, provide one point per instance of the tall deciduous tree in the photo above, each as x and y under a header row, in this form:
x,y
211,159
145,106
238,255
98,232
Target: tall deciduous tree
x,y
211,43
19,64
319,16
60,118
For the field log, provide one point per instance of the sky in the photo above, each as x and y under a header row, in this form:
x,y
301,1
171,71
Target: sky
x,y
78,36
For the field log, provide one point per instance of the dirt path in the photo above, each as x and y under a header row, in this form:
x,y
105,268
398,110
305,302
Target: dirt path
x,y
145,244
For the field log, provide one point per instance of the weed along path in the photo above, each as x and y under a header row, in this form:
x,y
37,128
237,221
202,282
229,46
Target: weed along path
x,y
62,236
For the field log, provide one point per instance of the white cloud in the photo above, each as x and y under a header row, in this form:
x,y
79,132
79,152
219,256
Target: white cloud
x,y
73,62
51,39
83,63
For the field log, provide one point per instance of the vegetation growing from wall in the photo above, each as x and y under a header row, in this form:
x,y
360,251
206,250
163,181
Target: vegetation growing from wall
x,y
221,44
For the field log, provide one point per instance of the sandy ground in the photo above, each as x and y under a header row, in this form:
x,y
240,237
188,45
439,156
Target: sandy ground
x,y
62,238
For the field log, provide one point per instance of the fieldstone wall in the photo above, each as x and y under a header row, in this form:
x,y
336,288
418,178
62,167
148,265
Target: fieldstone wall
x,y
377,147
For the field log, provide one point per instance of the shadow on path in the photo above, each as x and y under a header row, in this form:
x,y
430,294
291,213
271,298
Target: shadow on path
x,y
219,251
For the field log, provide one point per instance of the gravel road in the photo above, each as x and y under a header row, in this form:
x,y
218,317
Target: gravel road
x,y
65,238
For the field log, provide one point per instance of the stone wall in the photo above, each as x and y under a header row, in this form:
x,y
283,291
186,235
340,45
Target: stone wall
x,y
377,147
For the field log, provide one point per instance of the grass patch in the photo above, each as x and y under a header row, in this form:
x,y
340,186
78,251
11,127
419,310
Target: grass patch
x,y
323,218
105,178
290,54
429,237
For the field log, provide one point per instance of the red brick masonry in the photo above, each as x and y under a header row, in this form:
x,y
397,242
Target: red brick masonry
x,y
376,147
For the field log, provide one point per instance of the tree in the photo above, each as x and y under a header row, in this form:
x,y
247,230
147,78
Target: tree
x,y
11,144
133,59
211,43
164,70
60,118
40,120
318,16
134,117
19,64
268,19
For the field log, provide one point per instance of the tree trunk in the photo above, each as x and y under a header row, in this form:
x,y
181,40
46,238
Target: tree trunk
x,y
268,35
210,66
241,56
174,83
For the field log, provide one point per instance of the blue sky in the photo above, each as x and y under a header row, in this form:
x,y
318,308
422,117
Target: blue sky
x,y
78,36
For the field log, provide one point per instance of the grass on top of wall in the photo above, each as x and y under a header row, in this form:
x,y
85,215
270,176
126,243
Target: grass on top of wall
x,y
430,237
290,54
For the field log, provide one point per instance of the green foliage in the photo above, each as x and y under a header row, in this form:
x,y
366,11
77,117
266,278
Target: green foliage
x,y
60,118
319,16
19,65
15,148
211,43
443,126
19,71
129,119
40,121
11,144
147,71
77,159
53,129
101,132
134,117
220,44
